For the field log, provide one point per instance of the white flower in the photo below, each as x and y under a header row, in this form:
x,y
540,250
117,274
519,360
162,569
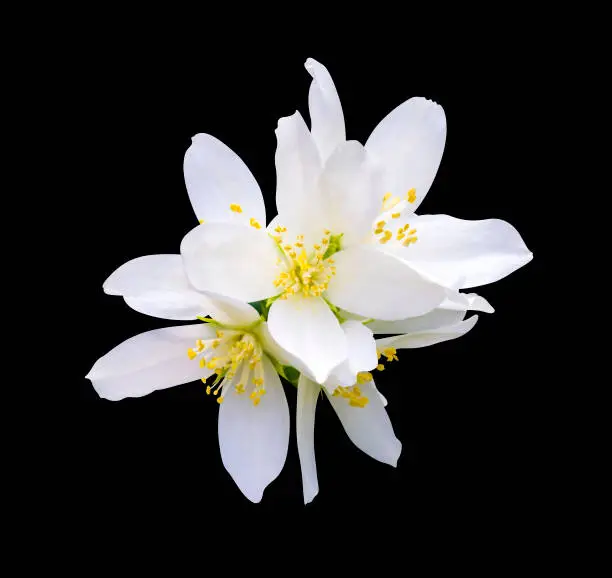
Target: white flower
x,y
316,269
253,413
361,407
407,147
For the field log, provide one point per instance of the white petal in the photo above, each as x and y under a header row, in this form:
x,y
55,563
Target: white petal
x,y
307,328
326,117
361,355
479,251
432,320
351,188
231,260
369,427
150,361
156,285
307,395
215,178
254,439
232,312
168,305
375,284
466,302
298,167
428,336
409,143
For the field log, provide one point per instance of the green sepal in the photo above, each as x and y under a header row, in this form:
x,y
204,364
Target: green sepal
x,y
287,372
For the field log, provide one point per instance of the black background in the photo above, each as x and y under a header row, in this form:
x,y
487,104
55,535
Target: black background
x,y
461,408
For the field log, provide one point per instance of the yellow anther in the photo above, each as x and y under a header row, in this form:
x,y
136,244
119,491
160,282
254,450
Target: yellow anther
x,y
254,223
388,234
327,231
216,343
411,195
299,244
202,362
390,353
201,221
258,380
287,248
220,399
364,377
191,353
395,215
208,390
240,388
386,196
400,235
280,229
256,401
378,231
212,363
352,395
380,224
200,345
410,240
380,367
236,208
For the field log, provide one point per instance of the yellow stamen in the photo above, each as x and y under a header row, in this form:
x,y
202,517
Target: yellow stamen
x,y
411,195
201,221
236,208
220,399
395,215
254,223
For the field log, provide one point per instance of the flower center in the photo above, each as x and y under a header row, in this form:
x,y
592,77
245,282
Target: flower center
x,y
303,272
232,353
404,234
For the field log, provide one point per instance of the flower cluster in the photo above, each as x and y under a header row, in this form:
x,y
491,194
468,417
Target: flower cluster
x,y
346,258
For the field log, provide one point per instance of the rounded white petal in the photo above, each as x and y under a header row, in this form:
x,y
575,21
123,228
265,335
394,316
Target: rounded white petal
x,y
432,320
307,395
254,439
231,312
215,178
351,190
361,355
231,260
375,284
369,427
156,285
169,305
298,168
409,143
479,252
307,328
326,116
428,337
150,361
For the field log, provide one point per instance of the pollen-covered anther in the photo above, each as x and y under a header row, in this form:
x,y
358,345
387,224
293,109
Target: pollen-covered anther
x,y
352,394
254,223
236,208
386,237
364,377
411,195
389,201
390,353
